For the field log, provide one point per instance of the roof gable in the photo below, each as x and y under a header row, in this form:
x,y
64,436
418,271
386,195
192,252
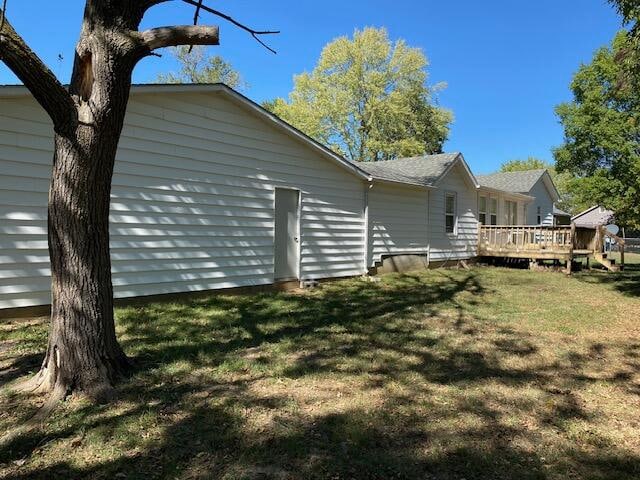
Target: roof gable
x,y
596,215
425,170
520,182
517,182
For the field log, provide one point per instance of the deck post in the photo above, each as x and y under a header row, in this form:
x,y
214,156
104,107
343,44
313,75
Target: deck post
x,y
572,243
600,239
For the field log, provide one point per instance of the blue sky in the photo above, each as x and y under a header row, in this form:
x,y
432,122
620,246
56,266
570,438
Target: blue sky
x,y
506,63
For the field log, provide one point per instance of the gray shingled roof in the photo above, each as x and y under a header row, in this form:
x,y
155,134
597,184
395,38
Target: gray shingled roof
x,y
424,170
560,213
516,182
593,217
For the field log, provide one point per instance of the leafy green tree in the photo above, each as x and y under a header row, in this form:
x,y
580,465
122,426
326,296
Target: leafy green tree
x,y
367,98
197,66
629,9
565,182
628,55
602,135
530,163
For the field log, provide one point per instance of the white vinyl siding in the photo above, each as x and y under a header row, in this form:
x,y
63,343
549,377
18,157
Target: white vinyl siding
x,y
543,204
445,246
192,201
397,220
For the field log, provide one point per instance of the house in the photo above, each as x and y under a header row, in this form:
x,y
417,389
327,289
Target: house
x,y
594,216
422,206
537,185
212,192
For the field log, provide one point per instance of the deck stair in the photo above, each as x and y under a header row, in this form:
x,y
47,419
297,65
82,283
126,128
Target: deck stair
x,y
607,263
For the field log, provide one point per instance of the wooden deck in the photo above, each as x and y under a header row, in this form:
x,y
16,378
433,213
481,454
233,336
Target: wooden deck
x,y
561,243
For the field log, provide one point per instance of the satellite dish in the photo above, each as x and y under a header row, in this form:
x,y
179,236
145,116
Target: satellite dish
x,y
613,229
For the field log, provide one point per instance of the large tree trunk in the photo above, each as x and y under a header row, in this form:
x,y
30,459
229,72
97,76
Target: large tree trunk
x,y
83,353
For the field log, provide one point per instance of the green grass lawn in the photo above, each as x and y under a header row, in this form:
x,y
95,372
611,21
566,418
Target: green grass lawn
x,y
446,374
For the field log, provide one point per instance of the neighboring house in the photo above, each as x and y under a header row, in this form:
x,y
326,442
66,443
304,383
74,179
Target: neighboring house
x,y
536,184
211,191
594,216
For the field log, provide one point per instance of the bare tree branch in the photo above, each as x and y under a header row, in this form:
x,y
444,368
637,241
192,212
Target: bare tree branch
x,y
196,17
4,12
179,35
37,77
196,14
254,33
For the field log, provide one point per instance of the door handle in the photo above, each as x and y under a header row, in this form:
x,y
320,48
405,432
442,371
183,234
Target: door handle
x,y
295,239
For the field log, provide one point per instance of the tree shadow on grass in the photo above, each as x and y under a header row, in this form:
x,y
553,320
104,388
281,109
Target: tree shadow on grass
x,y
192,409
626,282
15,367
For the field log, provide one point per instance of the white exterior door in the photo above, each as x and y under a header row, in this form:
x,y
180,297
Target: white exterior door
x,y
287,231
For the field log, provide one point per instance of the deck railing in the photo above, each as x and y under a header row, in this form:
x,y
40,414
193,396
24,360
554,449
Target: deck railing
x,y
546,242
495,239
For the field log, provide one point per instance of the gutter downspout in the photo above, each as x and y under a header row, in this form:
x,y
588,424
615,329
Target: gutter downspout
x,y
428,227
367,237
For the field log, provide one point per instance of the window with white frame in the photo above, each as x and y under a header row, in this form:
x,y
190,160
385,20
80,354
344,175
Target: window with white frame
x,y
482,210
450,212
493,212
511,212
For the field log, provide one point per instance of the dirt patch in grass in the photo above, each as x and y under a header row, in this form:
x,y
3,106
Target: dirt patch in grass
x,y
481,374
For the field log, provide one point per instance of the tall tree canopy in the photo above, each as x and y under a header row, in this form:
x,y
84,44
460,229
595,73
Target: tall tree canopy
x,y
518,165
197,66
629,55
83,353
629,9
564,181
367,98
602,133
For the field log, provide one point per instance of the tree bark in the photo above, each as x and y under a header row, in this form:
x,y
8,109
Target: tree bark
x,y
83,353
